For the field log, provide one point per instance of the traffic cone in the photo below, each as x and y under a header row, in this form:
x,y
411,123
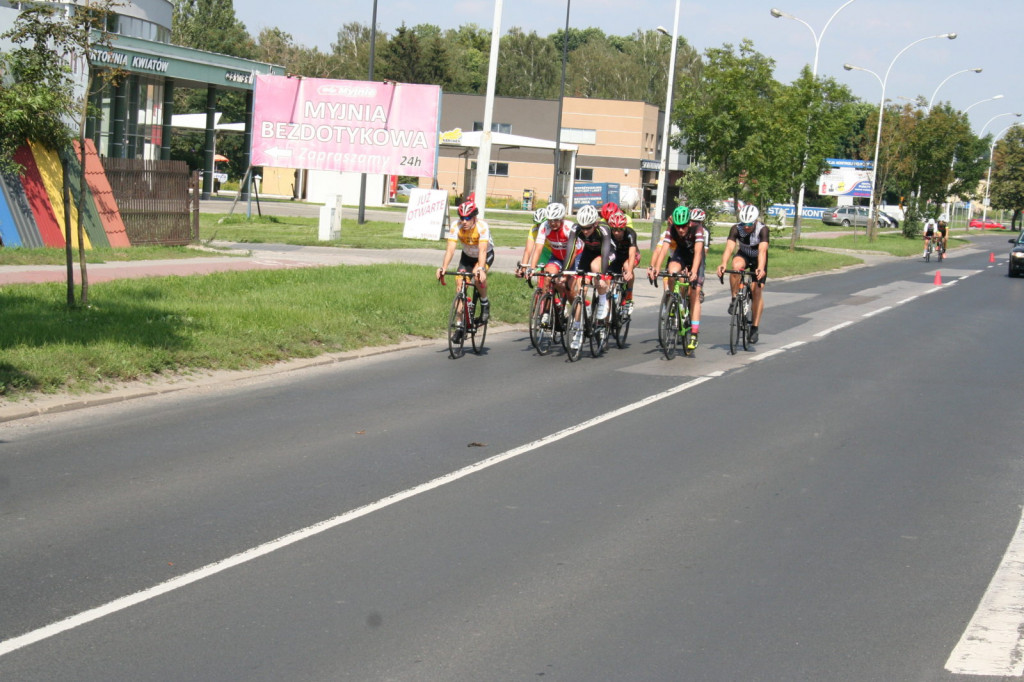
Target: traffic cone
x,y
938,278
992,257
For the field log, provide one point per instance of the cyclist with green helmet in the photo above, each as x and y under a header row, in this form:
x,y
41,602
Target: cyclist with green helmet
x,y
686,240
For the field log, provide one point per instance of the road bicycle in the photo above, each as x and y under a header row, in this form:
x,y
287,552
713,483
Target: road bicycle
x,y
620,311
674,323
462,319
928,250
547,313
581,321
741,311
934,244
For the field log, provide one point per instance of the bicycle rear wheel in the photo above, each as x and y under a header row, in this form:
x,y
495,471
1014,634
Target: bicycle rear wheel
x,y
736,325
669,329
746,319
572,339
457,327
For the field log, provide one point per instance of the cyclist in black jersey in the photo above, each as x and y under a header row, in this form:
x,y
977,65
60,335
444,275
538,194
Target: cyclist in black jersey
x,y
595,253
749,238
625,255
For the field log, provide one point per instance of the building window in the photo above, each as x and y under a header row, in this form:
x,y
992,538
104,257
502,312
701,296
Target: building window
x,y
495,127
498,169
579,136
585,174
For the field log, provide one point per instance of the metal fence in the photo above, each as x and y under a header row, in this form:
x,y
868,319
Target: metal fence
x,y
158,200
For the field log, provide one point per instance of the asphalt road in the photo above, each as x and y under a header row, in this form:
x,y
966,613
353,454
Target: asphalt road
x,y
831,506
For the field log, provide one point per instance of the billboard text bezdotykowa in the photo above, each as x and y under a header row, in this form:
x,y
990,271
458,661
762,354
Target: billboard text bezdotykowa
x,y
357,126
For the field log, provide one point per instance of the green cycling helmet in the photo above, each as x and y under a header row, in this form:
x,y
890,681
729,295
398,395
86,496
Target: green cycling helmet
x,y
681,216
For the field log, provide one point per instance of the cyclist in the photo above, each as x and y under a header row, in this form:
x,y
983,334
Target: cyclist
x,y
941,232
929,232
594,255
539,216
552,246
749,238
477,251
625,255
686,241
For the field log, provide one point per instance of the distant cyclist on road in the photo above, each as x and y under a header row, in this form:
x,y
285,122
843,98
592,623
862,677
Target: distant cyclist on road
x,y
552,247
595,254
625,255
477,251
749,238
929,233
942,233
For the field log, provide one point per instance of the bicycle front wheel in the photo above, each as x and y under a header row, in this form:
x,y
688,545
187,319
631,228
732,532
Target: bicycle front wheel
x,y
666,300
687,333
478,336
598,332
621,327
540,331
736,326
457,327
669,330
572,339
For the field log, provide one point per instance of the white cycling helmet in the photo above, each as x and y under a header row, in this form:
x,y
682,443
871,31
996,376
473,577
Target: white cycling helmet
x,y
540,215
748,214
556,211
587,216
698,214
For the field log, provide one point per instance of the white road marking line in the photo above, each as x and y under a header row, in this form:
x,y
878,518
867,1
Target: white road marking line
x,y
906,300
880,310
209,570
828,331
992,645
767,354
795,344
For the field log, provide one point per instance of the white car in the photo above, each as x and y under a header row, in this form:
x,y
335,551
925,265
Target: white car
x,y
405,188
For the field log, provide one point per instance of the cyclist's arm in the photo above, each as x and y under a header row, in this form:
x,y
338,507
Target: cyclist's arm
x,y
570,249
538,247
762,259
698,256
481,260
606,248
730,246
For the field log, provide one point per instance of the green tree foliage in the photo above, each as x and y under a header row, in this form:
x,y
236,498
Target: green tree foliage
x,y
1008,172
351,51
727,117
528,66
210,25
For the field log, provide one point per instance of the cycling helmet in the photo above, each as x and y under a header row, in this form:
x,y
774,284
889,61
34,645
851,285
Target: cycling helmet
x,y
681,216
617,221
540,215
698,215
587,216
609,209
749,214
556,211
468,209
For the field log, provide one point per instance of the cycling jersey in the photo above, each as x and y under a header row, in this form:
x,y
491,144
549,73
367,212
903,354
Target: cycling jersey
x,y
747,242
597,244
683,242
555,239
471,237
621,248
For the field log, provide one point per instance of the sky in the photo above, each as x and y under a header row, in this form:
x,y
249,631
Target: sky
x,y
866,33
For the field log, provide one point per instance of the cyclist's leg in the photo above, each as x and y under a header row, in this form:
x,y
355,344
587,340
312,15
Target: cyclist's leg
x,y
696,286
757,291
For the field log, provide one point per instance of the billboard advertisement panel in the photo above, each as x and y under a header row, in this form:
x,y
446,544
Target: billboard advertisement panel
x,y
336,125
846,178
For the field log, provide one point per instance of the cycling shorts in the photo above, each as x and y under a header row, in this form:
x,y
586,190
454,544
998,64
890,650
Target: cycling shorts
x,y
470,262
698,280
751,264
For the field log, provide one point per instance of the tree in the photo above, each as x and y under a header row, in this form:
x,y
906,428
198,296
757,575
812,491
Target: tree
x,y
726,120
39,102
528,66
1008,173
210,25
351,50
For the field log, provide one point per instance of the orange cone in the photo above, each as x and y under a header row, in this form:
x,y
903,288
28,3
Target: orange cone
x,y
992,257
938,278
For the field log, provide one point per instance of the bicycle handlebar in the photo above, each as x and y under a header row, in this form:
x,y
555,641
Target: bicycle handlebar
x,y
665,274
745,275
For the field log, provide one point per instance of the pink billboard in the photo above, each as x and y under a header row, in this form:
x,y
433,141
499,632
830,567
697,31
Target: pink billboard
x,y
357,126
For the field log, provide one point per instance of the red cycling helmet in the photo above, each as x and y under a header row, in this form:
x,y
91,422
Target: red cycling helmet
x,y
609,209
468,209
617,221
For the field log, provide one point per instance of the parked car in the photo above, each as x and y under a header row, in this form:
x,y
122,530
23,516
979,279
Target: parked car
x,y
405,188
1017,256
887,221
978,224
846,216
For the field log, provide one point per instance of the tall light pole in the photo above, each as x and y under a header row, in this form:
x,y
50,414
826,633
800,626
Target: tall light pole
x,y
988,181
881,112
659,203
957,73
982,101
1009,113
483,158
361,214
778,14
556,194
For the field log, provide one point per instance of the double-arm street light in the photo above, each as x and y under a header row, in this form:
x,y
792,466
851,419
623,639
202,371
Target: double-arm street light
x,y
957,73
982,101
1009,113
659,204
779,14
988,181
881,112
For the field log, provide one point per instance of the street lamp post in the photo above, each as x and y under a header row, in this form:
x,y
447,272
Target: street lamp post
x,y
659,204
778,14
556,194
1009,113
932,100
988,180
982,101
881,112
